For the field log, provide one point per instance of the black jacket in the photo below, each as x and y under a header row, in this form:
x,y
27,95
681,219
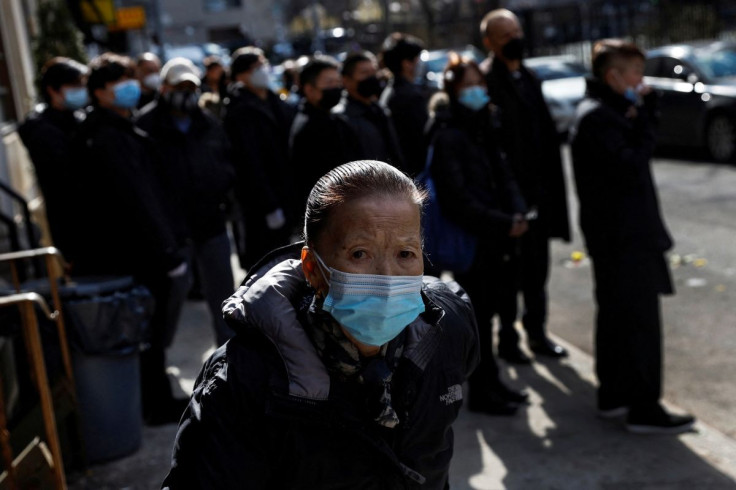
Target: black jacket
x,y
266,414
319,142
375,130
532,145
196,171
474,185
125,226
259,134
47,133
612,144
408,107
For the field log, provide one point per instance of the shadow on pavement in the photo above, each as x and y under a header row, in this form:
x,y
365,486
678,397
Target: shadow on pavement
x,y
558,442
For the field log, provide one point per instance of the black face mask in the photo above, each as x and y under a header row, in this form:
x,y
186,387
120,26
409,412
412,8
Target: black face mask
x,y
182,101
330,98
370,86
514,49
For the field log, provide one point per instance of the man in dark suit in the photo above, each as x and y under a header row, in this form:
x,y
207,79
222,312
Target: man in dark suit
x,y
612,144
533,149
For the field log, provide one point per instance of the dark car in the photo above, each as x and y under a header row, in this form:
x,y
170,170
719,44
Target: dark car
x,y
697,84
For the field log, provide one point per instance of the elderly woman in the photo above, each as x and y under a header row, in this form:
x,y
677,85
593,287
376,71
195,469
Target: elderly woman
x,y
347,367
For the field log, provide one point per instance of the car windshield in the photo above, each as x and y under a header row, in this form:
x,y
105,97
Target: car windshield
x,y
555,70
717,64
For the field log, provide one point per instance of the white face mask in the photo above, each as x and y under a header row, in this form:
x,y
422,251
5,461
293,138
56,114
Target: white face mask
x,y
259,78
152,81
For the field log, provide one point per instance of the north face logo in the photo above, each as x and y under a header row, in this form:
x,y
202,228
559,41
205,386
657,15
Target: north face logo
x,y
454,394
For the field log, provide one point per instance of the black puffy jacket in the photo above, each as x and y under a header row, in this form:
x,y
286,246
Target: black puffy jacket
x,y
266,414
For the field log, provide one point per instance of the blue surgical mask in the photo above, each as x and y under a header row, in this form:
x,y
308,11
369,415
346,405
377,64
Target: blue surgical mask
x,y
127,94
374,309
631,95
474,98
75,98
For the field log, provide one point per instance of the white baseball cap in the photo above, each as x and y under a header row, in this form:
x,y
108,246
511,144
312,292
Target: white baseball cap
x,y
178,70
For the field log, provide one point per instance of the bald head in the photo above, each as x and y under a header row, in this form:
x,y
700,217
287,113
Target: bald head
x,y
497,29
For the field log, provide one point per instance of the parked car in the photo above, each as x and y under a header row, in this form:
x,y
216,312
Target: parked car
x,y
563,86
433,64
697,84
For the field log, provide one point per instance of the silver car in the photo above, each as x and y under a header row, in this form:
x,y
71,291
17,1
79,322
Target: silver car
x,y
563,86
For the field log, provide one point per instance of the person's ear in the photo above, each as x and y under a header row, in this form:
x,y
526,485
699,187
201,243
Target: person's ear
x,y
613,79
312,273
487,44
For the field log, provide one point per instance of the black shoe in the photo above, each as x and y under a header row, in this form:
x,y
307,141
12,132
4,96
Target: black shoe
x,y
514,355
168,412
613,412
545,347
491,404
657,420
509,394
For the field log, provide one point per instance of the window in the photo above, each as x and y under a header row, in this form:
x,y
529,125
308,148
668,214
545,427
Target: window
x,y
220,5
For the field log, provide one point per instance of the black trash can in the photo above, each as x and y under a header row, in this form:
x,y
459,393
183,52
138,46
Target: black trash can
x,y
107,321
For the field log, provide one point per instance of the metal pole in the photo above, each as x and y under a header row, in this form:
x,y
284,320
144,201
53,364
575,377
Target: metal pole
x,y
318,44
158,28
35,350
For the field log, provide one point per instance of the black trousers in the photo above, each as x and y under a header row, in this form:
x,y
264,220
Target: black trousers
x,y
485,285
628,338
169,295
532,269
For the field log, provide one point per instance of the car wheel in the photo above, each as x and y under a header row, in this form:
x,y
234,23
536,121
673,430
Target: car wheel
x,y
721,138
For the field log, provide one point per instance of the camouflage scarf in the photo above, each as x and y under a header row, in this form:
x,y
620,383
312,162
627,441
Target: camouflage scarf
x,y
342,358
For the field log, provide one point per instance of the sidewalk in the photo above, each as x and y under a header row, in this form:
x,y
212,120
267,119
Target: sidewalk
x,y
555,443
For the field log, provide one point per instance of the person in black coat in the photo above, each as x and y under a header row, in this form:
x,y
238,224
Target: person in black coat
x,y
405,99
47,133
532,145
125,227
258,124
612,144
476,191
196,174
320,140
304,397
371,122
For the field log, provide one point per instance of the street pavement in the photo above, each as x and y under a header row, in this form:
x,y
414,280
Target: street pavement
x,y
557,442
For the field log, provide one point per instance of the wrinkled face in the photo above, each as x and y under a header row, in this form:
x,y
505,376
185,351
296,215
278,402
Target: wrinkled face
x,y
501,31
370,235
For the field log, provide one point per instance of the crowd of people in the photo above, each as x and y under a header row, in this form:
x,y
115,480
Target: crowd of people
x,y
143,165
